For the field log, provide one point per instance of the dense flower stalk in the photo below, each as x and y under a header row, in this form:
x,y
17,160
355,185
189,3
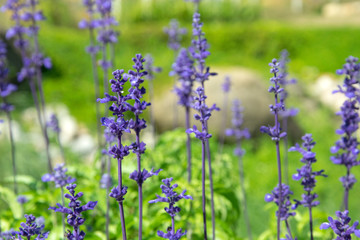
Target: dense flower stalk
x,y
117,127
342,227
151,70
226,88
307,176
74,217
53,124
30,229
5,90
136,91
175,35
183,67
32,59
59,177
91,24
274,131
288,112
281,197
240,134
346,148
199,52
203,115
172,198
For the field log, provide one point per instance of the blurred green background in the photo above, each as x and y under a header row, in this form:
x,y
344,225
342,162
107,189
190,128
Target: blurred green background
x,y
319,36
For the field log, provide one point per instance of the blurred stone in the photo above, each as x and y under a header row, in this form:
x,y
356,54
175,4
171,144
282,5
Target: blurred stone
x,y
322,89
246,85
347,9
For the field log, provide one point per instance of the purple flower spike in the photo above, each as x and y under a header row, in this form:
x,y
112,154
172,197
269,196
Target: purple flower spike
x,y
346,148
119,196
58,176
22,199
142,176
226,85
342,227
175,34
54,123
236,131
30,229
306,173
172,198
74,216
282,200
307,176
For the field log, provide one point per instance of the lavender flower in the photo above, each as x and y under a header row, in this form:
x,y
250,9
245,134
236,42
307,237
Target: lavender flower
x,y
30,229
22,199
287,112
172,198
275,133
199,52
91,24
240,134
32,59
6,235
151,70
184,69
74,217
174,33
116,127
136,93
281,199
341,227
5,90
308,176
58,176
346,148
54,123
106,181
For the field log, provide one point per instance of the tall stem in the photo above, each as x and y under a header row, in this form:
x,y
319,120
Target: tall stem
x,y
107,216
44,132
277,129
203,186
188,142
243,192
172,225
346,193
311,223
121,206
288,229
211,188
286,161
63,215
12,143
223,127
97,90
140,183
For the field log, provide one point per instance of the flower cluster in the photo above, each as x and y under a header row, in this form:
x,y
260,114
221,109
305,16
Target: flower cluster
x,y
5,88
203,115
150,68
199,50
274,131
226,85
58,176
281,199
306,174
106,33
346,148
30,229
54,123
341,227
172,198
20,14
183,67
22,199
284,80
74,216
175,34
236,131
